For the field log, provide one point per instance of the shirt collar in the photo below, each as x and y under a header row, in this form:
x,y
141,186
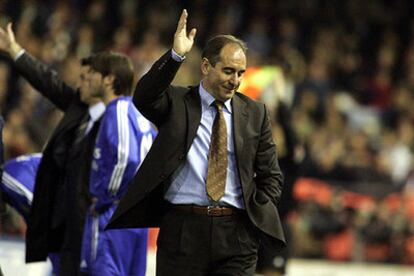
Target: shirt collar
x,y
96,111
207,99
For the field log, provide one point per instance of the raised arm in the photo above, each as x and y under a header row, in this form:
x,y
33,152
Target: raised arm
x,y
39,75
151,94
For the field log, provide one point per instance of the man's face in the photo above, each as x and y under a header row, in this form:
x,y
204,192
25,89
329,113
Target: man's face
x,y
88,93
223,80
84,83
96,85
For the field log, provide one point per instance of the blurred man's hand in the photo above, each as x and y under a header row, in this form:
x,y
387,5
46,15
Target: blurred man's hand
x,y
8,41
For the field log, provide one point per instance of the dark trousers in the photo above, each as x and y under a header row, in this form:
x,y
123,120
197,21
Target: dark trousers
x,y
196,244
271,256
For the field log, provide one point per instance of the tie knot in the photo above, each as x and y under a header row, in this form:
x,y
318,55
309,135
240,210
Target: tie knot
x,y
219,105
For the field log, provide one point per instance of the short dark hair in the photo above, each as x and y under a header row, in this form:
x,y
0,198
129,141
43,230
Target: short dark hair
x,y
214,45
117,64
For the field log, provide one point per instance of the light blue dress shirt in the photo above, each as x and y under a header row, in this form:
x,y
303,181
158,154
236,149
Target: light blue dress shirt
x,y
189,181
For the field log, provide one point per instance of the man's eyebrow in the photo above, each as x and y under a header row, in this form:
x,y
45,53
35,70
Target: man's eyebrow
x,y
234,69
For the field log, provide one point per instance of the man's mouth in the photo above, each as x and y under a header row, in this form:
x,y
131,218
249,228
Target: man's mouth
x,y
231,89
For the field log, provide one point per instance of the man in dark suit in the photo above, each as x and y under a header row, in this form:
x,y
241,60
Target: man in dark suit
x,y
210,182
60,197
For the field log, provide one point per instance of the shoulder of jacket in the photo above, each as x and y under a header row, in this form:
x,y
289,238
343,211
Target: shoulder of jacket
x,y
248,100
176,90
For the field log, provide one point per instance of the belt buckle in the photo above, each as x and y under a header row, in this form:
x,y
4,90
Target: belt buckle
x,y
210,210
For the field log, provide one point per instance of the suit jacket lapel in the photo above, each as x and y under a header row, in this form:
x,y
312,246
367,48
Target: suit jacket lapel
x,y
193,109
239,126
71,119
68,122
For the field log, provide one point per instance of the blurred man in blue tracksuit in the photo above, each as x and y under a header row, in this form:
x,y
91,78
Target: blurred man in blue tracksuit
x,y
123,140
17,186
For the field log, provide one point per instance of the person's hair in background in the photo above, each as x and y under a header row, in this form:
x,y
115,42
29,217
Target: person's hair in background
x,y
118,65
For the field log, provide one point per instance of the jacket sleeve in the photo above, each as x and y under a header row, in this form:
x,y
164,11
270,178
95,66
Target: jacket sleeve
x,y
45,80
269,178
117,154
18,182
152,94
111,155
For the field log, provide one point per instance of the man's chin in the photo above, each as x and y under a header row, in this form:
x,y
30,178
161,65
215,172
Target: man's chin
x,y
229,94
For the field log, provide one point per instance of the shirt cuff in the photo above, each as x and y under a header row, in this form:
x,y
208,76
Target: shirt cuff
x,y
19,54
176,56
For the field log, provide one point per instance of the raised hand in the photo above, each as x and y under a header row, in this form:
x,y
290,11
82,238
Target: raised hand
x,y
183,42
8,41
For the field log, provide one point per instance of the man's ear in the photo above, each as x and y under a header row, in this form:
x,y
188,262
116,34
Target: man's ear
x,y
205,66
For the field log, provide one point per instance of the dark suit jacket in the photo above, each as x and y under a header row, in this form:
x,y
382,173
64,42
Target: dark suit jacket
x,y
176,111
51,207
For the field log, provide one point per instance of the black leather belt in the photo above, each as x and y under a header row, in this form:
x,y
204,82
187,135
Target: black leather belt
x,y
213,211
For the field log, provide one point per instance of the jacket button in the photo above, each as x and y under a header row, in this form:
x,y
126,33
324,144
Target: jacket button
x,y
163,176
181,157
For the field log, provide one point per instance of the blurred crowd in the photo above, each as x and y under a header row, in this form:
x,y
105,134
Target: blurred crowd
x,y
348,68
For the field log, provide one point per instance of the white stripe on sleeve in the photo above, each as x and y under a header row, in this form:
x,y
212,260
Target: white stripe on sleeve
x,y
123,147
13,184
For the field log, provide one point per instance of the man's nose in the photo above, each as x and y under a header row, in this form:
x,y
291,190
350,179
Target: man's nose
x,y
234,79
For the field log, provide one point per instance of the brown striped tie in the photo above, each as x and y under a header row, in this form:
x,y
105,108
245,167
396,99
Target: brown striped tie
x,y
217,161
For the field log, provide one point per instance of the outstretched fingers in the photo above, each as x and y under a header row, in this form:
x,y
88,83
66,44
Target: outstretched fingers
x,y
182,22
192,34
4,40
2,32
7,35
10,32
